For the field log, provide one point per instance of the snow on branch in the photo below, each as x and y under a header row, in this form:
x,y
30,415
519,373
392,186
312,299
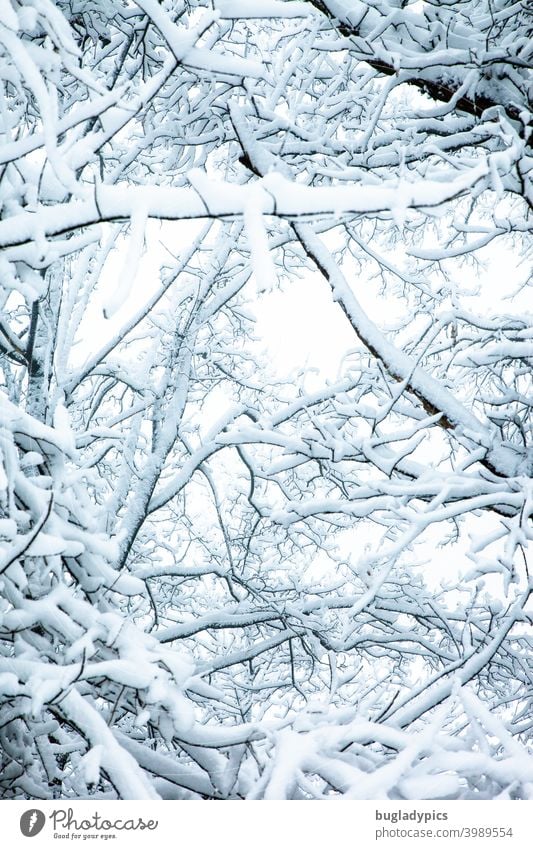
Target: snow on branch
x,y
265,541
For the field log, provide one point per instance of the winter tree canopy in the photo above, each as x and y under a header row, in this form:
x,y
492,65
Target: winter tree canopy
x,y
222,579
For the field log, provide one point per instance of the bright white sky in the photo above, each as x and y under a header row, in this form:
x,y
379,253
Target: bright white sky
x,y
300,324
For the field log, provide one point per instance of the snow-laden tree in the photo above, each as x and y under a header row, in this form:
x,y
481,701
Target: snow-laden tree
x,y
220,581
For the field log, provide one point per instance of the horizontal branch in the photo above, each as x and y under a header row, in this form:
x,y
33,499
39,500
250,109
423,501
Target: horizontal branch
x,y
272,195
